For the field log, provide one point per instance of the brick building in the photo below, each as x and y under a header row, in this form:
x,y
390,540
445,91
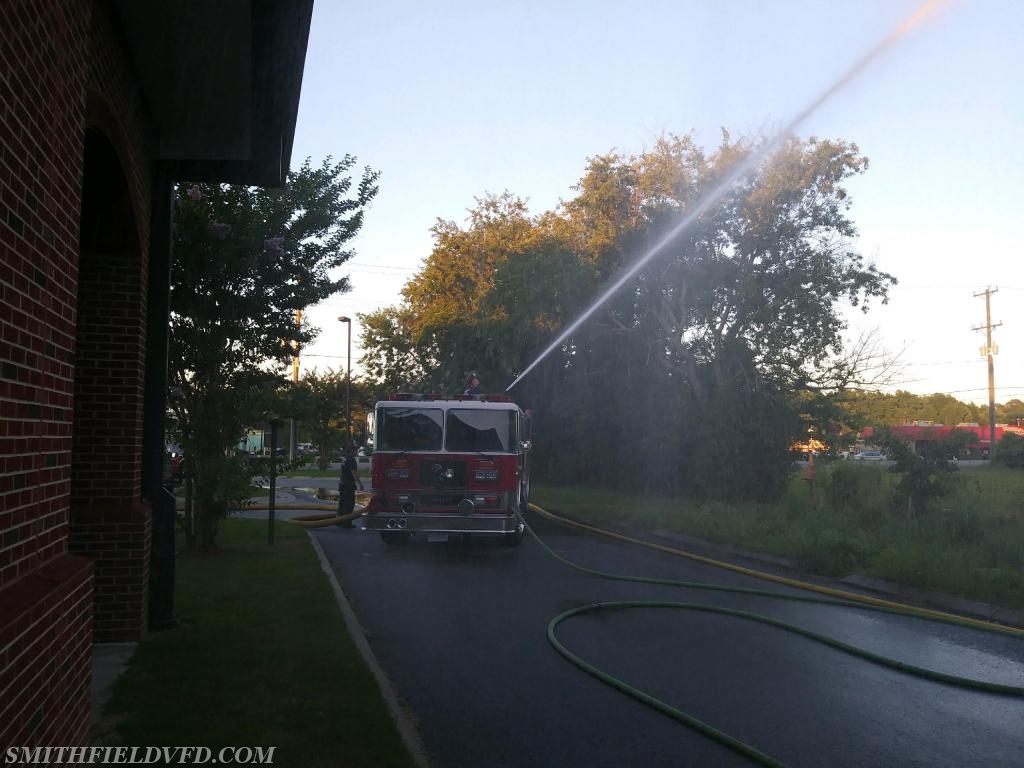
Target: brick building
x,y
104,104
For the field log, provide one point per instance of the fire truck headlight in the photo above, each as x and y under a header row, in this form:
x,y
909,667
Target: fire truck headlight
x,y
397,474
485,475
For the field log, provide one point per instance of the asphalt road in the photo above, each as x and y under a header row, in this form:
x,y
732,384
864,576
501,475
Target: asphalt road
x,y
461,632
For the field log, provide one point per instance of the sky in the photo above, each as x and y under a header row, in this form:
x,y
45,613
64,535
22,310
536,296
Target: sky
x,y
452,100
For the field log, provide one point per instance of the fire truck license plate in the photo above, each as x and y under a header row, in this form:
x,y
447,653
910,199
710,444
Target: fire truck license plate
x,y
437,537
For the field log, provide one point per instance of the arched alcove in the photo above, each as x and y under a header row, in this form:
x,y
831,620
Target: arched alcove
x,y
109,524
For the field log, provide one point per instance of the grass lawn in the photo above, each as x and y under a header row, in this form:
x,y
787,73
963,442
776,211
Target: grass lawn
x,y
971,544
260,657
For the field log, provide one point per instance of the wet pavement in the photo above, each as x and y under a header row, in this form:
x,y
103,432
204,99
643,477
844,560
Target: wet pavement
x,y
460,630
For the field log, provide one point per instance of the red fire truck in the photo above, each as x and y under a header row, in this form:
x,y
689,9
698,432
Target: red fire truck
x,y
445,465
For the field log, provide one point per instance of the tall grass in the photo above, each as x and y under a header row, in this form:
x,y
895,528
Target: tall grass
x,y
969,543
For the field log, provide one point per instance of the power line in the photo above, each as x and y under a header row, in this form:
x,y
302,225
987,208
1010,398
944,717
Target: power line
x,y
980,389
337,302
940,363
878,393
362,265
381,272
336,357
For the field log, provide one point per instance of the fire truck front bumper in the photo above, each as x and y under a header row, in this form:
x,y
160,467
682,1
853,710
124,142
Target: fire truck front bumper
x,y
465,518
441,522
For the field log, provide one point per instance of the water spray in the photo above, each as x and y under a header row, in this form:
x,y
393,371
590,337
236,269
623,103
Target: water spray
x,y
924,12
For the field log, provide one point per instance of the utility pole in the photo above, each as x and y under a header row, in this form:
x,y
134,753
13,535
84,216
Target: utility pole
x,y
293,432
989,351
348,383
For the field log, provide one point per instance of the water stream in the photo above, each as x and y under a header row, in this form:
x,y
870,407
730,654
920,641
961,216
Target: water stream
x,y
924,12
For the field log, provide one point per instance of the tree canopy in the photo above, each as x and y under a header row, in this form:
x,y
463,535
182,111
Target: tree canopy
x,y
695,365
244,260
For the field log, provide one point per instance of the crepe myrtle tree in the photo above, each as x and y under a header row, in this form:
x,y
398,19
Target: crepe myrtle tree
x,y
245,259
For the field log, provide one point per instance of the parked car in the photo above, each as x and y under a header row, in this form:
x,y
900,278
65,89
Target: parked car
x,y
869,456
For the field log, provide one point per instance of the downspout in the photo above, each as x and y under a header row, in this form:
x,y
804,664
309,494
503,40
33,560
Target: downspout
x,y
159,496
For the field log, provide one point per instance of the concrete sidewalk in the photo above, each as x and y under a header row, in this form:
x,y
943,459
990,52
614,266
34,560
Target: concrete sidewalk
x,y
108,662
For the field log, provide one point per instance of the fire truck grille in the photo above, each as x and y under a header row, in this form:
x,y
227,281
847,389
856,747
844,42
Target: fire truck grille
x,y
440,499
443,474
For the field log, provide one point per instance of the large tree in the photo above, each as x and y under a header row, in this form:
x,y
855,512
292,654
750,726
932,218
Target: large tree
x,y
703,361
245,259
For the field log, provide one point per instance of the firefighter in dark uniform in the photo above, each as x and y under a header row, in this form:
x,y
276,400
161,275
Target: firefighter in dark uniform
x,y
347,484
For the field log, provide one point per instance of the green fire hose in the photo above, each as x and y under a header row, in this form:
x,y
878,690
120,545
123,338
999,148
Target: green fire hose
x,y
835,598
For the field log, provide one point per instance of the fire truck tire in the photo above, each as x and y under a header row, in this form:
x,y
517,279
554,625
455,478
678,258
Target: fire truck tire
x,y
394,538
524,497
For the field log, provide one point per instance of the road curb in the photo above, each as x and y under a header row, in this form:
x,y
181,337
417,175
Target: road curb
x,y
958,605
725,549
923,598
406,730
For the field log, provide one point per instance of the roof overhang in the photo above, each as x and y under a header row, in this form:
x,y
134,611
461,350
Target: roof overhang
x,y
222,82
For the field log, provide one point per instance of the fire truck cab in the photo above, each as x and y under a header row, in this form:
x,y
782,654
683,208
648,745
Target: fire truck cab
x,y
453,464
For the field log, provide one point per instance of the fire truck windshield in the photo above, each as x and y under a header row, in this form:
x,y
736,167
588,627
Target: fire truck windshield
x,y
480,430
409,429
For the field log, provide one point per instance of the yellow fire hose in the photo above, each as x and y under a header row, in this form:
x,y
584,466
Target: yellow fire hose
x,y
832,597
329,516
851,597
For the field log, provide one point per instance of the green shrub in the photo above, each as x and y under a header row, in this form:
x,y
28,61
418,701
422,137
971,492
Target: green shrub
x,y
1010,451
947,568
829,552
915,565
859,492
923,479
959,522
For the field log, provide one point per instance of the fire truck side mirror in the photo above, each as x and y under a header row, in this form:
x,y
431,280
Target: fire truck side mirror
x,y
526,444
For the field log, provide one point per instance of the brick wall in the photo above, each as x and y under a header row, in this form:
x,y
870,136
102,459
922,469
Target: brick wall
x,y
46,655
41,52
110,524
45,593
61,70
117,540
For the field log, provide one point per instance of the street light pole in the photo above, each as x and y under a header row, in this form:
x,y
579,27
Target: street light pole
x,y
348,382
